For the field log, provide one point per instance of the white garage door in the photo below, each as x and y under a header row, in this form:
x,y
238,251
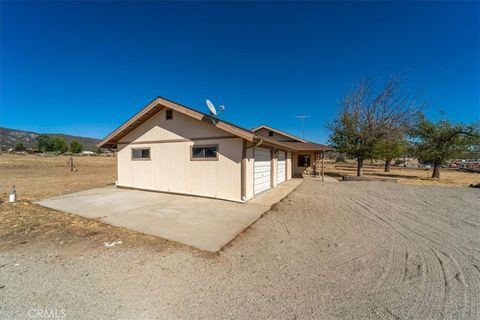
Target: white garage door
x,y
262,170
281,165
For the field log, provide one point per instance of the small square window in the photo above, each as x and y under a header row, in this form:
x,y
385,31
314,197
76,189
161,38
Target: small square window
x,y
141,154
205,152
270,133
169,114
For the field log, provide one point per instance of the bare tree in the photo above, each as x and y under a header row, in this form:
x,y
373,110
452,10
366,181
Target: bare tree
x,y
369,117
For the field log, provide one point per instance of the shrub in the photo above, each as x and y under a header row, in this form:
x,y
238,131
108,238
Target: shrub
x,y
19,147
340,159
59,145
45,143
76,146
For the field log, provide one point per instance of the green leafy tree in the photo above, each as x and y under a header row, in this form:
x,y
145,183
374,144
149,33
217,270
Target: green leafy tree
x,y
59,144
99,151
389,149
19,147
45,143
436,142
76,146
367,118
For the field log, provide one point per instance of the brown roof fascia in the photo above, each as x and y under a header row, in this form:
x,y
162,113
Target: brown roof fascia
x,y
263,126
273,143
300,146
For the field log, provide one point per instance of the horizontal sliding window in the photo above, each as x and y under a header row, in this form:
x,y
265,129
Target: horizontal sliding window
x,y
141,153
208,152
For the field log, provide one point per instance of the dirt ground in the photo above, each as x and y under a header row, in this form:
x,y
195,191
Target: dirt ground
x,y
37,177
349,250
410,176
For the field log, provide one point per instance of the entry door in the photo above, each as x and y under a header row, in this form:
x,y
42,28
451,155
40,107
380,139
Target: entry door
x,y
281,165
262,170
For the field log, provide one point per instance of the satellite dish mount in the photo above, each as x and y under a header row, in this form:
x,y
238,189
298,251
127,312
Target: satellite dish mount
x,y
213,112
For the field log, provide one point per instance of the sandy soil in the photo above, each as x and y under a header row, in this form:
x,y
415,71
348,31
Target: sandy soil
x,y
450,177
350,250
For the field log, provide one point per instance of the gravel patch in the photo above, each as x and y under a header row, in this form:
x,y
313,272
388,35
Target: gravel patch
x,y
349,250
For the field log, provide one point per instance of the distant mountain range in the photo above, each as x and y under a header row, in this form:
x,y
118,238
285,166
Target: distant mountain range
x,y
9,137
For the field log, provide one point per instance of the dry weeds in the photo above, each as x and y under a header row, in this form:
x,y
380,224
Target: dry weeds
x,y
37,177
410,176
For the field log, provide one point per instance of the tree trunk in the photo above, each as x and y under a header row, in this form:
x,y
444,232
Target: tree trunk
x,y
387,165
359,167
436,170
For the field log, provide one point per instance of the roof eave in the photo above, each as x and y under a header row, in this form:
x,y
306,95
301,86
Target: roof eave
x,y
160,103
288,135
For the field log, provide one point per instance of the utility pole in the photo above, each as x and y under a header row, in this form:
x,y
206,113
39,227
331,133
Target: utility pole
x,y
302,118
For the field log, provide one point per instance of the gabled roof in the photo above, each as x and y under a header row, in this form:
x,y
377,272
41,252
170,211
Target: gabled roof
x,y
288,135
160,103
157,105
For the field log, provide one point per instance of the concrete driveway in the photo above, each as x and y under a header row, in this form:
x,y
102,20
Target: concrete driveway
x,y
206,224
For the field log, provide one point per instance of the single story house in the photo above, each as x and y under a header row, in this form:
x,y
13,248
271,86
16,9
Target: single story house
x,y
169,147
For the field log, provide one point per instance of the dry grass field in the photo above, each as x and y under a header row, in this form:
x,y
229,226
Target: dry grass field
x,y
448,177
37,177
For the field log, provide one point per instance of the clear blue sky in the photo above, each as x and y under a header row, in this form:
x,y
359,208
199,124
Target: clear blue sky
x,y
85,67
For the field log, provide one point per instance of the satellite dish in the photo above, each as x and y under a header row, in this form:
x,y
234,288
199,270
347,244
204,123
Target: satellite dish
x,y
213,111
211,107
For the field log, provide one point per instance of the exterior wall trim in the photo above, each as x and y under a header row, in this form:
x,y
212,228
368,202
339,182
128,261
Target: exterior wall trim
x,y
178,140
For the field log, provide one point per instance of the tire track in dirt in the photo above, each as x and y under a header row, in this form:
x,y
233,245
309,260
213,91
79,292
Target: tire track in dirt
x,y
427,255
445,252
442,292
398,264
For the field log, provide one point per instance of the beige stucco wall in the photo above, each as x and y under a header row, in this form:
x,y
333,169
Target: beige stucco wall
x,y
180,127
249,173
170,168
